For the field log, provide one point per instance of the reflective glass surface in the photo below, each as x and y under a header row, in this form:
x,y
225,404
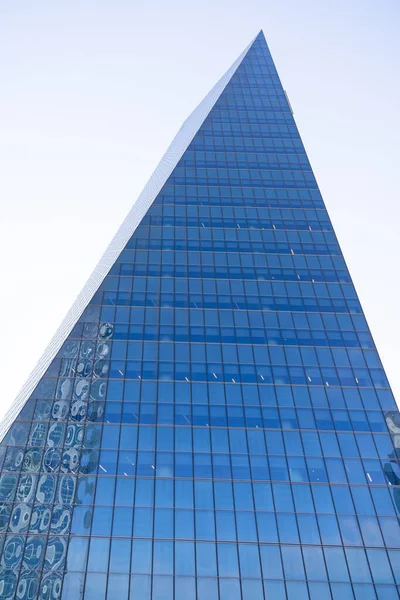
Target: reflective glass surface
x,y
218,425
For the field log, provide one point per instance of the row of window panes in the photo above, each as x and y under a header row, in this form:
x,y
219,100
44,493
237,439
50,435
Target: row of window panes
x,y
243,201
245,337
261,116
305,266
253,247
207,525
257,214
247,77
240,263
228,353
268,225
282,146
224,496
321,499
243,178
185,558
241,93
234,416
298,267
235,373
175,422
252,130
267,195
217,393
233,395
240,273
252,160
235,235
293,305
219,466
245,310
253,98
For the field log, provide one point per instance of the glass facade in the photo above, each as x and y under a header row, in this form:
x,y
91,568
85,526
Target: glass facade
x,y
218,424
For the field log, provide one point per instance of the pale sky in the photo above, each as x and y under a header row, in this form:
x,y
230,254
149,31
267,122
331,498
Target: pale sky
x,y
92,93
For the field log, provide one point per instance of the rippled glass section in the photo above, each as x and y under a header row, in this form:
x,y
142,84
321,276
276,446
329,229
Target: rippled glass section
x,y
218,424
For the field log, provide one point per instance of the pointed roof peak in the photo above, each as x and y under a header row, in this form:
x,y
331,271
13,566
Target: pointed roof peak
x,y
261,40
259,37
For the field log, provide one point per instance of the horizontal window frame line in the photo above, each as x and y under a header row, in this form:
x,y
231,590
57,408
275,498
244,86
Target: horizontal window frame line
x,y
160,204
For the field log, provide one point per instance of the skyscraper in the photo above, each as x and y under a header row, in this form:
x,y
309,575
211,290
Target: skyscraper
x,y
212,420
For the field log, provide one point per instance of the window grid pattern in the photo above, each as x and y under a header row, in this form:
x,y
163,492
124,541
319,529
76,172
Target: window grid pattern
x,y
218,424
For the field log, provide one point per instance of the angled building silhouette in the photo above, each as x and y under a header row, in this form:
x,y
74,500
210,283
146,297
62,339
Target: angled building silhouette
x,y
212,420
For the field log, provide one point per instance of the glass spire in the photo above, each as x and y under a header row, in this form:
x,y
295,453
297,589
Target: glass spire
x,y
216,424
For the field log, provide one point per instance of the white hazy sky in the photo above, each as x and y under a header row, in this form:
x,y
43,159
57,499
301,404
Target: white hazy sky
x,y
92,92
